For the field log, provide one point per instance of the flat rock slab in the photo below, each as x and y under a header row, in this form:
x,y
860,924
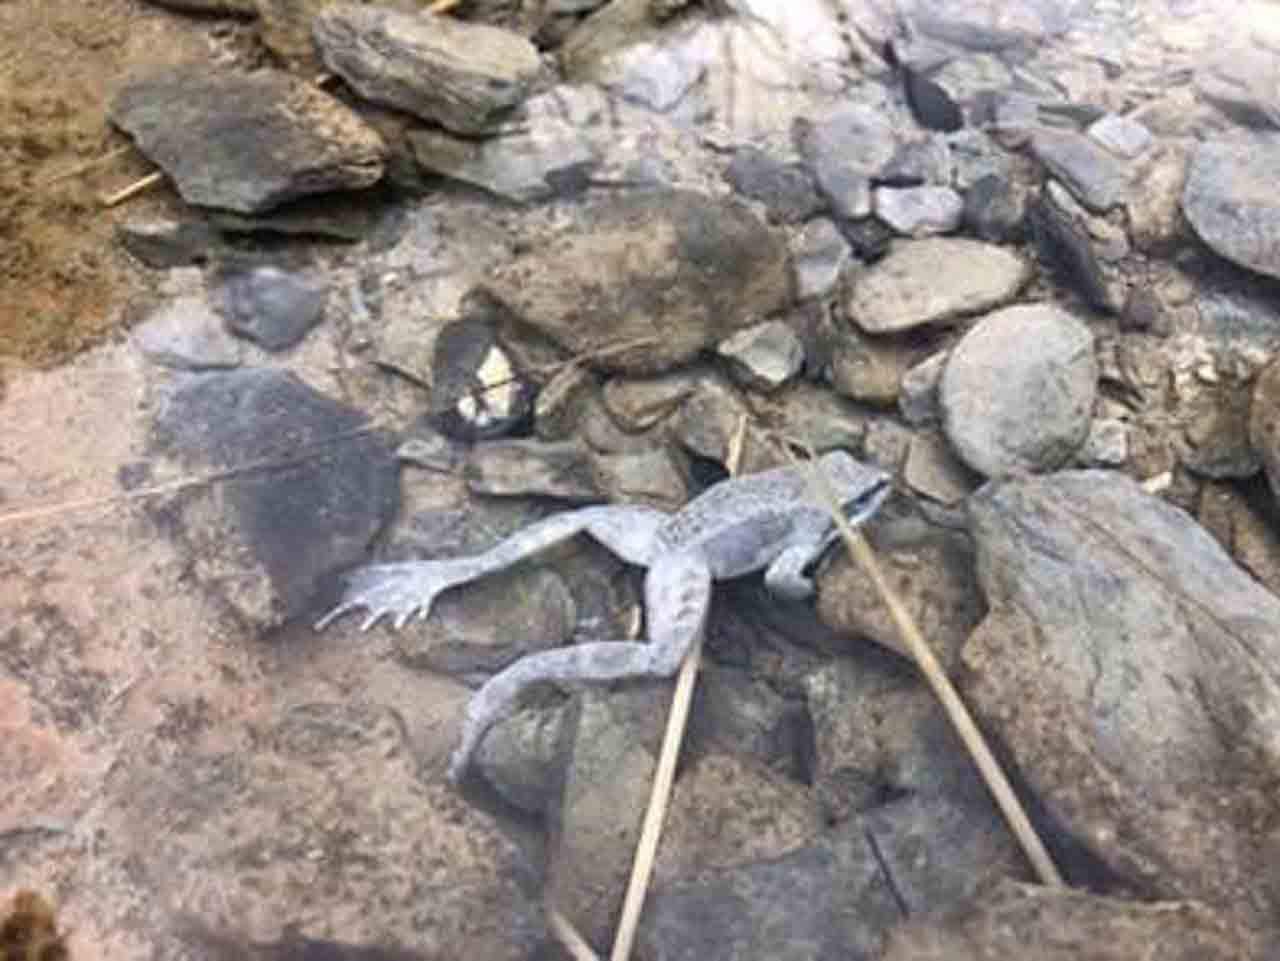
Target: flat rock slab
x,y
464,76
1095,177
538,155
829,898
307,486
1130,667
1230,199
676,269
932,281
324,798
1018,390
247,141
1015,920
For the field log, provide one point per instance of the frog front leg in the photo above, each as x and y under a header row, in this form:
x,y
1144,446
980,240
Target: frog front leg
x,y
677,599
403,590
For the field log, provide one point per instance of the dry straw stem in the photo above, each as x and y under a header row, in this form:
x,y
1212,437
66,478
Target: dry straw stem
x,y
573,942
943,689
664,774
132,190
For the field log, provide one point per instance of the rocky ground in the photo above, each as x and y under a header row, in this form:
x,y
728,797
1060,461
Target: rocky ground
x,y
413,281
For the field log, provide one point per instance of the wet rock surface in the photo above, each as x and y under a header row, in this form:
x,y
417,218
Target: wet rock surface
x,y
1184,636
462,76
933,281
257,548
1018,389
1226,203
609,250
686,270
247,142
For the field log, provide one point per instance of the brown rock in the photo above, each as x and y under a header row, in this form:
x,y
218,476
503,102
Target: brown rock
x,y
464,76
1021,921
1128,665
930,568
247,142
675,270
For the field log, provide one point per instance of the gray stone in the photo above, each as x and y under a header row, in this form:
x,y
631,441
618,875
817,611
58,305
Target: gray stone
x,y
671,272
933,281
819,254
919,211
654,476
535,156
255,541
1123,136
990,24
942,847
993,209
929,568
728,809
561,403
411,312
707,421
254,822
613,743
871,369
247,141
464,76
744,716
1014,919
811,415
680,68
511,468
520,756
619,47
272,307
1230,201
785,189
918,391
639,403
763,357
1107,444
827,898
484,627
431,451
1240,81
933,470
168,243
844,149
1066,249
1238,319
886,444
1093,175
346,217
1018,390
186,333
925,161
1112,693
